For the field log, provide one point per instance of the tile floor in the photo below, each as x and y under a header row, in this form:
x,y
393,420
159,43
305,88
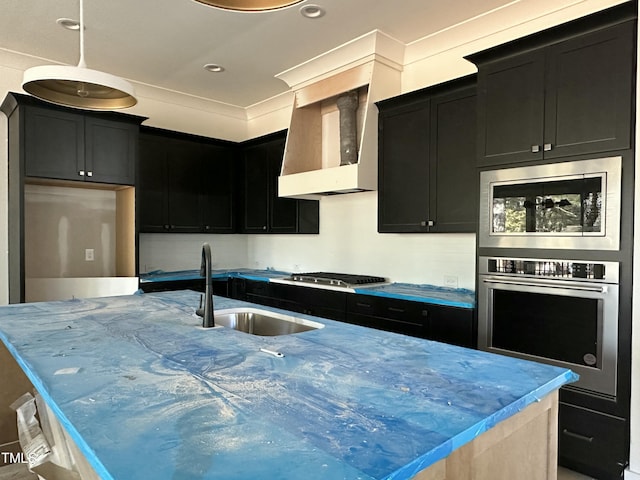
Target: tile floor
x,y
564,474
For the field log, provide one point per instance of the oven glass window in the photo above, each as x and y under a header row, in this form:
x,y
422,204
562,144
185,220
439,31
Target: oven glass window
x,y
559,206
557,327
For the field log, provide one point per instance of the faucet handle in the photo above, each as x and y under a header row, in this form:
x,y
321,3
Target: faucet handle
x,y
200,310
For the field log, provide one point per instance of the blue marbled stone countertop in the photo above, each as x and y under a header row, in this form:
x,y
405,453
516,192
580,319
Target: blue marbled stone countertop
x,y
453,297
248,273
146,392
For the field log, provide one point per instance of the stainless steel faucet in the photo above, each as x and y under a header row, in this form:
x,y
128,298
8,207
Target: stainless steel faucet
x,y
206,311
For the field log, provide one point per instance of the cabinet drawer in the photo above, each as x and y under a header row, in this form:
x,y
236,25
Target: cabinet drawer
x,y
591,442
388,308
310,296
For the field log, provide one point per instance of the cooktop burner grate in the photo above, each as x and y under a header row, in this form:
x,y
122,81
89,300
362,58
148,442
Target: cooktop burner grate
x,y
337,279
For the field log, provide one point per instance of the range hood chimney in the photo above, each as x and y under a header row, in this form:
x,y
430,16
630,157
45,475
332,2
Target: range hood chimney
x,y
314,164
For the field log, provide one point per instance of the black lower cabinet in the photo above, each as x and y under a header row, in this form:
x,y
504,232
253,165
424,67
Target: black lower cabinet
x,y
453,325
446,324
434,322
219,287
592,442
388,314
312,301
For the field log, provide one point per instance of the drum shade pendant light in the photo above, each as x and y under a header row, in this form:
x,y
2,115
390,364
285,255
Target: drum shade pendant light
x,y
249,5
79,86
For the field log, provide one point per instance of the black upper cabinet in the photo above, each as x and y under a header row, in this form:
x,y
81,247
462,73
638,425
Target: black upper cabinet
x,y
263,211
544,101
110,151
64,145
186,185
218,198
426,158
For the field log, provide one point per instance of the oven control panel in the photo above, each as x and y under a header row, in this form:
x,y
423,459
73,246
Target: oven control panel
x,y
548,268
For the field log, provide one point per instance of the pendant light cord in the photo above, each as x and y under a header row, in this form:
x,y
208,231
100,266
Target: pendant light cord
x,y
82,63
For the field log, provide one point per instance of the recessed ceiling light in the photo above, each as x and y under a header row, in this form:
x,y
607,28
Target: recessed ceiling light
x,y
213,67
68,23
312,11
249,5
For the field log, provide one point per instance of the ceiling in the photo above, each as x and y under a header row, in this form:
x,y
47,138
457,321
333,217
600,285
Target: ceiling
x,y
165,43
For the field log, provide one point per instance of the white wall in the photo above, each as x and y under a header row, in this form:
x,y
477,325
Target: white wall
x,y
633,472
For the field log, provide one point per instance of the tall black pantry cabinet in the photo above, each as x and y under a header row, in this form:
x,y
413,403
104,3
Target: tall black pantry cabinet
x,y
568,93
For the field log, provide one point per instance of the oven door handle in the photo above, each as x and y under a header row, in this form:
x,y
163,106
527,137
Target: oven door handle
x,y
582,288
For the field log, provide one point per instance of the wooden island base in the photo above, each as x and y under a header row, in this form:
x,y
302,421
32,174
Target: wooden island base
x,y
524,447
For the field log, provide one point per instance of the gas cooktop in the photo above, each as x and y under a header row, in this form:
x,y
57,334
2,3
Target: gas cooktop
x,y
336,279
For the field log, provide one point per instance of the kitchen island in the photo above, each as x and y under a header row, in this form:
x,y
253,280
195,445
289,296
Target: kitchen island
x,y
145,392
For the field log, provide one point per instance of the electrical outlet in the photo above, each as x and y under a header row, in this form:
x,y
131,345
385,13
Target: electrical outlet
x,y
451,281
89,254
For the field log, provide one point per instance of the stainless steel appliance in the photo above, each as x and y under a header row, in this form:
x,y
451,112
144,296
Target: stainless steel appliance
x,y
563,312
563,205
336,279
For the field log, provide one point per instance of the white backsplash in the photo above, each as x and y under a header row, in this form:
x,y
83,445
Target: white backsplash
x,y
348,243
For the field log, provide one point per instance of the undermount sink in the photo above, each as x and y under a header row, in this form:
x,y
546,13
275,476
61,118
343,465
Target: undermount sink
x,y
262,322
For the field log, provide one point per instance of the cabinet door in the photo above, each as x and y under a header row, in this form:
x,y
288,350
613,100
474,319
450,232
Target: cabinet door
x,y
511,109
403,169
217,205
184,180
110,151
453,176
589,95
255,191
151,192
283,211
54,144
452,325
592,442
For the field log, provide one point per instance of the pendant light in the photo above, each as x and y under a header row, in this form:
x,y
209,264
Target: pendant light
x,y
249,5
79,86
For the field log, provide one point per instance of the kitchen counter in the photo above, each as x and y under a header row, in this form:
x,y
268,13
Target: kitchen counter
x,y
146,392
453,297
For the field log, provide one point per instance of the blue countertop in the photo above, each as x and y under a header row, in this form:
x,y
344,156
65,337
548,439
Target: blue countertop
x,y
146,392
453,297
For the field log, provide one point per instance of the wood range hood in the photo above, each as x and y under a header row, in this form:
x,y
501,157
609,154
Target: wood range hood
x,y
370,65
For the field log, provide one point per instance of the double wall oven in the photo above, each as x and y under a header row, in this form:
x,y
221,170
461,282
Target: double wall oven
x,y
547,288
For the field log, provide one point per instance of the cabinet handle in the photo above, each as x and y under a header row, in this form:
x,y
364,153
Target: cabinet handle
x,y
207,227
81,173
426,223
395,309
89,173
365,305
547,147
577,435
535,148
264,227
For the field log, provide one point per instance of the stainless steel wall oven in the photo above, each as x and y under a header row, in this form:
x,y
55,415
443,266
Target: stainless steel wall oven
x,y
563,312
563,205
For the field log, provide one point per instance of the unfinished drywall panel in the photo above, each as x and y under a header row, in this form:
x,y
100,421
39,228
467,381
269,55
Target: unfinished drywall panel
x,y
69,232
